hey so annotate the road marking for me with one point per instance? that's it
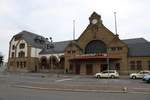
(61, 80)
(141, 88)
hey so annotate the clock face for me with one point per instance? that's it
(94, 21)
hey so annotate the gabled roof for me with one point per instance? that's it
(33, 39)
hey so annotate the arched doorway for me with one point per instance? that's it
(95, 46)
(53, 62)
(44, 63)
(62, 62)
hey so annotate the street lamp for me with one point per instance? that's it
(51, 47)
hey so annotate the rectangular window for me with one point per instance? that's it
(139, 65)
(132, 65)
(113, 48)
(20, 64)
(73, 51)
(13, 47)
(148, 65)
(69, 51)
(117, 66)
(12, 55)
(119, 48)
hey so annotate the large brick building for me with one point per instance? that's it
(97, 49)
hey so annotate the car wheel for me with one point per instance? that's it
(133, 77)
(112, 76)
(98, 76)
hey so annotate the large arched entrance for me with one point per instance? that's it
(95, 46)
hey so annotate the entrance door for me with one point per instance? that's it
(77, 69)
(103, 67)
(89, 69)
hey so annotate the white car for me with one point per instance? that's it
(107, 73)
(140, 74)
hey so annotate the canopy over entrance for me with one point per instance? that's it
(95, 57)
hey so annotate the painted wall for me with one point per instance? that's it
(35, 52)
(24, 49)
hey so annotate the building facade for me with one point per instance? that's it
(97, 49)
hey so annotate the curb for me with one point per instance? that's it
(76, 90)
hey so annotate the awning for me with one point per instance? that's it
(95, 57)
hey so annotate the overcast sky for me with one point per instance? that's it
(54, 18)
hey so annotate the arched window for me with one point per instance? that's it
(21, 54)
(22, 46)
(95, 46)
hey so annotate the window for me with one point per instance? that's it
(132, 65)
(13, 47)
(21, 54)
(20, 64)
(12, 54)
(113, 48)
(73, 51)
(69, 51)
(95, 46)
(22, 46)
(119, 48)
(148, 65)
(116, 48)
(117, 66)
(136, 65)
(139, 65)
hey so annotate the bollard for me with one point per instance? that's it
(124, 89)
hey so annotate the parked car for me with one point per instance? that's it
(140, 74)
(147, 78)
(107, 73)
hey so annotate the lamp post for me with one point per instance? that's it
(51, 47)
(108, 67)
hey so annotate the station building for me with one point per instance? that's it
(97, 49)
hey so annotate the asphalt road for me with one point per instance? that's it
(9, 92)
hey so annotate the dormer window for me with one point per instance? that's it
(22, 46)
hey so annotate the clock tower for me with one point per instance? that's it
(95, 19)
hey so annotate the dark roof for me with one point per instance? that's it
(135, 40)
(33, 39)
(136, 47)
(59, 47)
(139, 49)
